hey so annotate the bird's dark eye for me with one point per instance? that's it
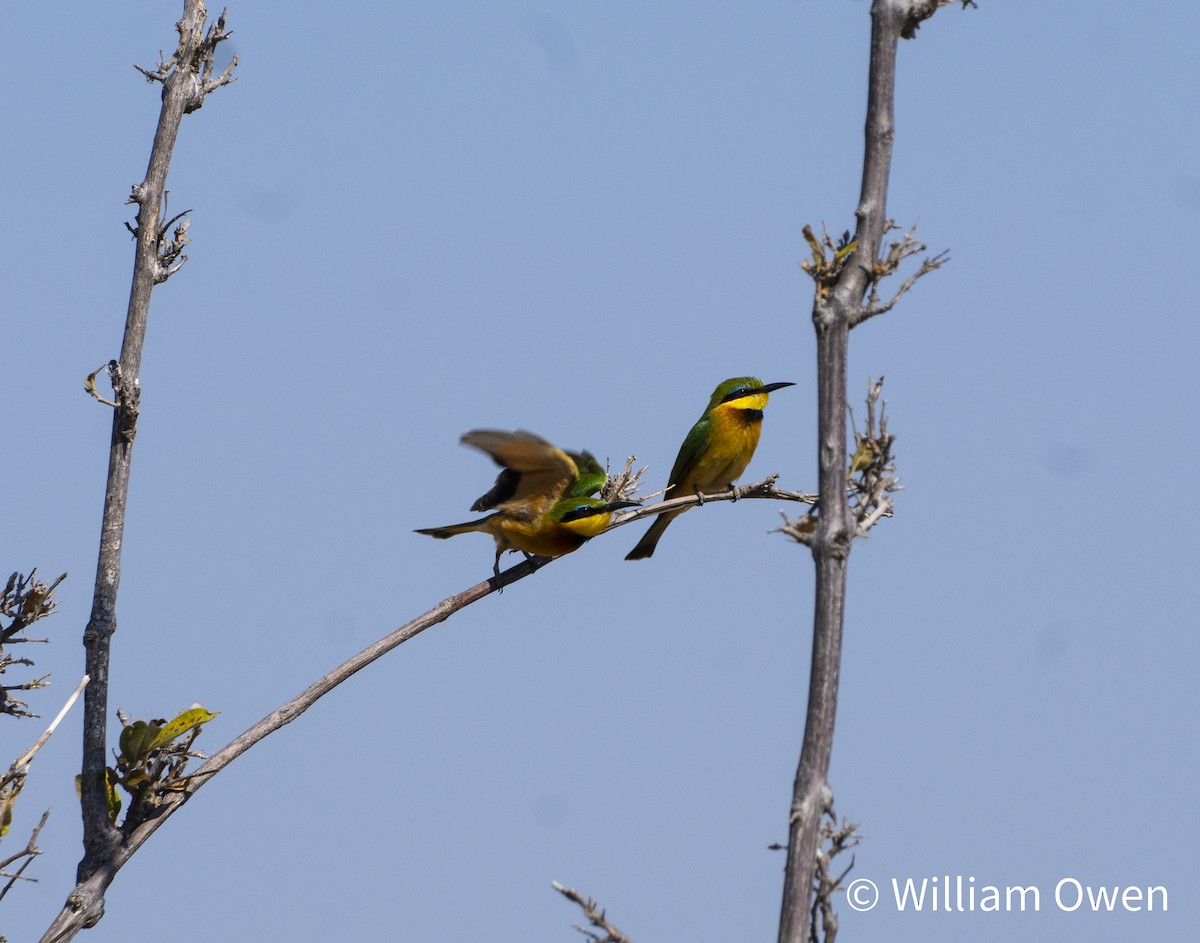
(580, 510)
(741, 389)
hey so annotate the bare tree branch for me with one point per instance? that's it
(21, 764)
(186, 80)
(872, 474)
(91, 890)
(823, 925)
(759, 489)
(11, 784)
(843, 281)
(907, 246)
(23, 601)
(25, 856)
(595, 915)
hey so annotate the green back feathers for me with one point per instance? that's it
(590, 475)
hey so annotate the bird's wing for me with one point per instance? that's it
(504, 488)
(543, 473)
(689, 453)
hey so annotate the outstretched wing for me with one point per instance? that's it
(536, 474)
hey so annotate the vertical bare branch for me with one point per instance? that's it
(842, 286)
(185, 79)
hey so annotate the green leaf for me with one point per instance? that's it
(114, 799)
(6, 804)
(110, 788)
(138, 739)
(192, 717)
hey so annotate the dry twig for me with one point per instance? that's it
(872, 474)
(596, 917)
(24, 600)
(835, 840)
(25, 856)
(13, 781)
(908, 245)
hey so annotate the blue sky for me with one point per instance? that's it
(413, 220)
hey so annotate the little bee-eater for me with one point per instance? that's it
(541, 498)
(716, 451)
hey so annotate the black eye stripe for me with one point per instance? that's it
(580, 510)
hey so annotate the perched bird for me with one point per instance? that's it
(541, 497)
(716, 451)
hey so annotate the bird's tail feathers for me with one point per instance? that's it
(453, 530)
(645, 546)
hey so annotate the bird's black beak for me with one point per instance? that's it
(772, 387)
(617, 505)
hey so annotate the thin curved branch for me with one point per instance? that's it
(91, 890)
(26, 856)
(289, 711)
(20, 765)
(908, 245)
(759, 489)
